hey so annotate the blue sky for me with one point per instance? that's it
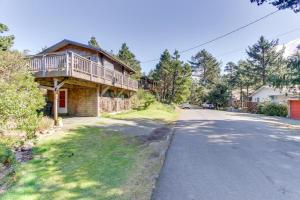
(148, 27)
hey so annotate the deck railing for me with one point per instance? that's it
(71, 63)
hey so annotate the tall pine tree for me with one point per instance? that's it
(173, 78)
(263, 56)
(207, 67)
(128, 57)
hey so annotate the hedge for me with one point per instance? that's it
(273, 109)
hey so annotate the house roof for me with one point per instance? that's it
(258, 90)
(66, 42)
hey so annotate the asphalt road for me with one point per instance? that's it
(218, 155)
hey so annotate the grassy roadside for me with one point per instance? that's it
(87, 163)
(90, 162)
(156, 111)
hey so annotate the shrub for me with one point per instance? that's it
(272, 109)
(20, 97)
(260, 109)
(142, 100)
(45, 123)
(7, 156)
(10, 141)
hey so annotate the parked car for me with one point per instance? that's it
(208, 106)
(186, 106)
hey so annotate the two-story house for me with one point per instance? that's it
(82, 80)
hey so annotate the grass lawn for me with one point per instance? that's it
(84, 163)
(156, 111)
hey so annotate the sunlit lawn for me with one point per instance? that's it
(156, 111)
(84, 164)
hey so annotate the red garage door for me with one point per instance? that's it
(295, 109)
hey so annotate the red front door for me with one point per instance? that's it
(295, 109)
(62, 101)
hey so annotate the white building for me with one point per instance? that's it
(269, 94)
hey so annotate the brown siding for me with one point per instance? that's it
(108, 104)
(82, 102)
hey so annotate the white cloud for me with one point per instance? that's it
(290, 47)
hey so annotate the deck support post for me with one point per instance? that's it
(98, 100)
(55, 102)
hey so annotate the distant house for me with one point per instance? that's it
(82, 80)
(269, 94)
(146, 83)
(288, 96)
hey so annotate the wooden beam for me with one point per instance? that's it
(104, 90)
(61, 84)
(46, 87)
(119, 94)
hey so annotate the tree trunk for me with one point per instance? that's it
(241, 96)
(173, 86)
(263, 67)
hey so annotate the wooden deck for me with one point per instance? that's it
(70, 64)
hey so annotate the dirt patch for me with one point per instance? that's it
(24, 154)
(156, 135)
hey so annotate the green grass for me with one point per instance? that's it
(156, 111)
(84, 163)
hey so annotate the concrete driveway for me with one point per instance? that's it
(219, 155)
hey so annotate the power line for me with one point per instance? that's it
(274, 37)
(221, 36)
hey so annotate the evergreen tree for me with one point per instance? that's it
(219, 95)
(129, 58)
(293, 70)
(198, 93)
(173, 78)
(6, 42)
(281, 4)
(230, 74)
(93, 42)
(263, 56)
(245, 75)
(207, 66)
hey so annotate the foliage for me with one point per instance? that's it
(7, 157)
(64, 168)
(219, 95)
(293, 69)
(142, 100)
(173, 78)
(263, 56)
(93, 42)
(10, 141)
(281, 4)
(273, 109)
(156, 111)
(6, 41)
(206, 67)
(128, 58)
(20, 97)
(198, 94)
(288, 74)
